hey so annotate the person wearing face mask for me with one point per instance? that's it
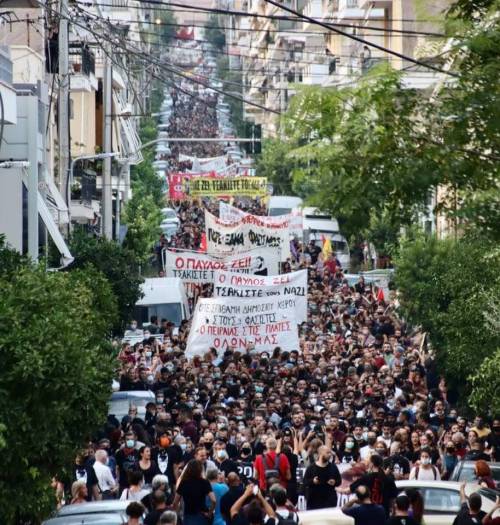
(320, 480)
(244, 463)
(127, 459)
(425, 470)
(167, 457)
(133, 330)
(369, 449)
(348, 451)
(221, 458)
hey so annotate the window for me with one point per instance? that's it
(441, 501)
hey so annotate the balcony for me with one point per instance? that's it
(357, 9)
(7, 91)
(313, 9)
(82, 65)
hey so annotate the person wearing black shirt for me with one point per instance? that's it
(159, 502)
(231, 497)
(193, 488)
(126, 459)
(397, 464)
(244, 463)
(470, 513)
(320, 480)
(166, 456)
(402, 504)
(382, 487)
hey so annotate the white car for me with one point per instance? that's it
(169, 215)
(441, 503)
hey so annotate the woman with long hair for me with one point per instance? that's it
(416, 505)
(147, 466)
(348, 451)
(193, 488)
(483, 474)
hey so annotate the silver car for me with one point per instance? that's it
(110, 512)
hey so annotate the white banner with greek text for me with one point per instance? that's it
(198, 268)
(249, 233)
(239, 324)
(288, 285)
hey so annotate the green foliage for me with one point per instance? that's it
(118, 264)
(357, 146)
(372, 154)
(55, 380)
(485, 384)
(142, 215)
(274, 165)
(213, 33)
(446, 287)
(167, 28)
(10, 260)
(142, 212)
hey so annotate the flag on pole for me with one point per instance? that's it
(203, 243)
(327, 248)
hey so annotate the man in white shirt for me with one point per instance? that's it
(105, 481)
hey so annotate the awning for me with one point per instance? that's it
(56, 203)
(50, 224)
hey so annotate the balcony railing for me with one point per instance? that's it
(5, 65)
(82, 59)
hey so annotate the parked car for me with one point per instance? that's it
(120, 402)
(441, 503)
(110, 512)
(169, 215)
(464, 471)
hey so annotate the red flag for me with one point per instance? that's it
(380, 296)
(203, 243)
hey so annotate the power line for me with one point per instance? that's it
(272, 17)
(361, 40)
(168, 67)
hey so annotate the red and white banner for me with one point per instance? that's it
(199, 268)
(230, 213)
(178, 183)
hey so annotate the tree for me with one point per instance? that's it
(213, 32)
(55, 380)
(446, 287)
(118, 264)
(142, 215)
(359, 157)
(273, 164)
(168, 27)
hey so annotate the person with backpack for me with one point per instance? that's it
(425, 470)
(271, 467)
(285, 513)
(320, 480)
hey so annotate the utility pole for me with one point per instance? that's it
(63, 114)
(107, 190)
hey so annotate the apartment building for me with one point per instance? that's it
(278, 55)
(39, 205)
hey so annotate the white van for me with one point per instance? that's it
(164, 297)
(319, 226)
(283, 204)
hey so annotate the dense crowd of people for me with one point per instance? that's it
(245, 436)
(248, 437)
